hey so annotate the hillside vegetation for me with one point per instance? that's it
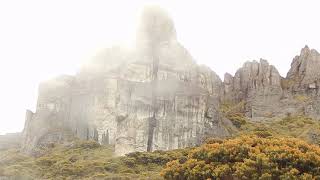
(284, 148)
(245, 157)
(249, 157)
(298, 126)
(86, 160)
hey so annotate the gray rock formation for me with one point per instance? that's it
(155, 97)
(303, 82)
(113, 96)
(266, 94)
(304, 74)
(256, 83)
(54, 120)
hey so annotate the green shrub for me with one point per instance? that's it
(156, 157)
(87, 144)
(112, 167)
(213, 141)
(237, 119)
(287, 83)
(301, 98)
(234, 112)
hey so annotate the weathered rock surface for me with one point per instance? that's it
(256, 83)
(303, 81)
(122, 96)
(267, 95)
(110, 99)
(54, 120)
(304, 74)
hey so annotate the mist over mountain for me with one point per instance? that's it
(156, 98)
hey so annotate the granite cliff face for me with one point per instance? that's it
(256, 83)
(303, 81)
(112, 98)
(266, 94)
(155, 96)
(304, 73)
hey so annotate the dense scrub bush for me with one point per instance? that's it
(249, 157)
(287, 83)
(87, 160)
(156, 157)
(234, 112)
(301, 98)
(237, 119)
(86, 144)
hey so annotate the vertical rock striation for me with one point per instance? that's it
(256, 83)
(304, 74)
(155, 97)
(113, 96)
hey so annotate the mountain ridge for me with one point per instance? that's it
(156, 97)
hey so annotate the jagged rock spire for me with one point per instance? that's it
(304, 71)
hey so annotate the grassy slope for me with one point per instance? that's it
(86, 160)
(89, 160)
(297, 126)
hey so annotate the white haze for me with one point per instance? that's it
(41, 39)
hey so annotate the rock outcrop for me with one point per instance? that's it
(113, 96)
(155, 97)
(55, 119)
(303, 82)
(304, 74)
(266, 94)
(256, 83)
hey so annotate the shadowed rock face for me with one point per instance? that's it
(110, 99)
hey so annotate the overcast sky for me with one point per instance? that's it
(42, 39)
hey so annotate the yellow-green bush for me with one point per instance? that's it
(287, 83)
(156, 157)
(249, 157)
(301, 98)
(85, 160)
(237, 119)
(234, 112)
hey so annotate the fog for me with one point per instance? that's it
(42, 39)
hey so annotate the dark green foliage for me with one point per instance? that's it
(156, 157)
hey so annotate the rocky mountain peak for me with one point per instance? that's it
(228, 78)
(304, 72)
(117, 94)
(255, 83)
(252, 75)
